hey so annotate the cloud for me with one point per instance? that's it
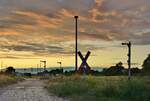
(9, 32)
(142, 39)
(33, 47)
(45, 27)
(41, 20)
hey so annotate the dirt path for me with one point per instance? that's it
(29, 90)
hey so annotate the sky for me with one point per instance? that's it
(34, 30)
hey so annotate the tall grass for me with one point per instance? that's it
(90, 88)
(6, 80)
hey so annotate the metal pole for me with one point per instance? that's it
(129, 58)
(37, 68)
(40, 66)
(60, 64)
(76, 43)
(129, 61)
(44, 65)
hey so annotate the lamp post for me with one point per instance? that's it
(44, 65)
(40, 67)
(129, 58)
(37, 68)
(60, 65)
(76, 43)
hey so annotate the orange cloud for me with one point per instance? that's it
(66, 13)
(58, 38)
(6, 32)
(41, 20)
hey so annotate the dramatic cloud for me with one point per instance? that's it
(46, 27)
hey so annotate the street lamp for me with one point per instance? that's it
(60, 65)
(129, 58)
(37, 68)
(44, 64)
(76, 42)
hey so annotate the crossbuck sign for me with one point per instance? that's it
(84, 67)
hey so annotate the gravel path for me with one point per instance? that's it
(29, 90)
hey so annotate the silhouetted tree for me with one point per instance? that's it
(120, 64)
(10, 70)
(56, 71)
(135, 71)
(27, 74)
(115, 70)
(146, 65)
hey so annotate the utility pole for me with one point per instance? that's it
(129, 58)
(76, 43)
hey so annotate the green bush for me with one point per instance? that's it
(100, 88)
(6, 80)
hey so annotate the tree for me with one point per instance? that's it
(146, 65)
(10, 70)
(120, 64)
(115, 70)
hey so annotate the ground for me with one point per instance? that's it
(28, 90)
(100, 88)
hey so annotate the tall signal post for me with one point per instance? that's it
(60, 63)
(76, 43)
(129, 58)
(37, 68)
(44, 65)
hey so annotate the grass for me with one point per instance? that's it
(90, 88)
(6, 80)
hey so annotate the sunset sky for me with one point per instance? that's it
(34, 30)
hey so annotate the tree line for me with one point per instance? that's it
(118, 69)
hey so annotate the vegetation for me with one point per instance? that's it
(10, 70)
(6, 80)
(146, 65)
(115, 70)
(102, 88)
